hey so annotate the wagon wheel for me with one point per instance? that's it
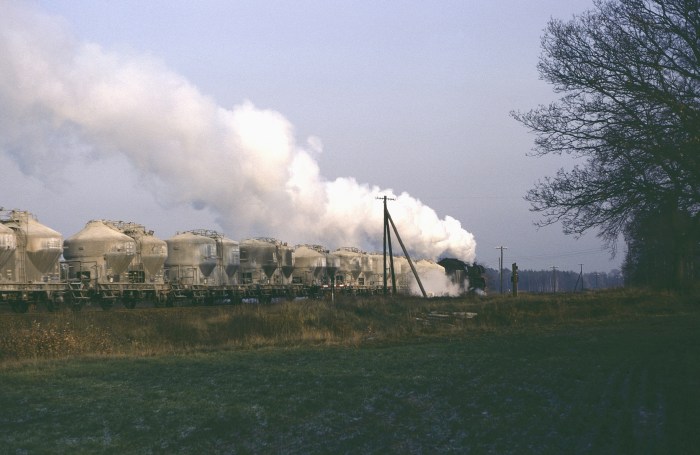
(73, 301)
(159, 300)
(54, 303)
(170, 300)
(20, 306)
(77, 306)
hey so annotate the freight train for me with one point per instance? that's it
(114, 262)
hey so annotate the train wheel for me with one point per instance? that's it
(106, 304)
(20, 306)
(77, 306)
(56, 303)
(130, 304)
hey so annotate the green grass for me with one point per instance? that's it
(610, 373)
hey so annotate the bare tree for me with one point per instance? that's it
(629, 75)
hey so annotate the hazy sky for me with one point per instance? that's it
(228, 114)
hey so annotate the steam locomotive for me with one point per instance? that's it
(115, 262)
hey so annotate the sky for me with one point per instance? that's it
(286, 119)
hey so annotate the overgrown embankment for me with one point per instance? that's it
(344, 322)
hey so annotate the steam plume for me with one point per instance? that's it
(65, 99)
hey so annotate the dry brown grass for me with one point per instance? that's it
(598, 373)
(344, 322)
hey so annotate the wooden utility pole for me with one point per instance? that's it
(500, 265)
(580, 278)
(387, 242)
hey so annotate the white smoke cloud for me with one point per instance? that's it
(64, 99)
(434, 281)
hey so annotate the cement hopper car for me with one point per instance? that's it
(315, 269)
(151, 253)
(376, 265)
(402, 273)
(310, 265)
(230, 253)
(29, 261)
(350, 265)
(99, 253)
(286, 254)
(37, 250)
(266, 261)
(355, 268)
(8, 245)
(332, 266)
(228, 257)
(191, 259)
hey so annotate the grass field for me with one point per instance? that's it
(599, 373)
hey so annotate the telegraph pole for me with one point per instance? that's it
(500, 265)
(389, 224)
(387, 236)
(408, 258)
(580, 278)
(554, 278)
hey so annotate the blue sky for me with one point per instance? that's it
(402, 95)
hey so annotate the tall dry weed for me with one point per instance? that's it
(349, 321)
(53, 340)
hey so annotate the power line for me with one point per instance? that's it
(565, 254)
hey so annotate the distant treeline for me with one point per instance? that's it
(551, 281)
